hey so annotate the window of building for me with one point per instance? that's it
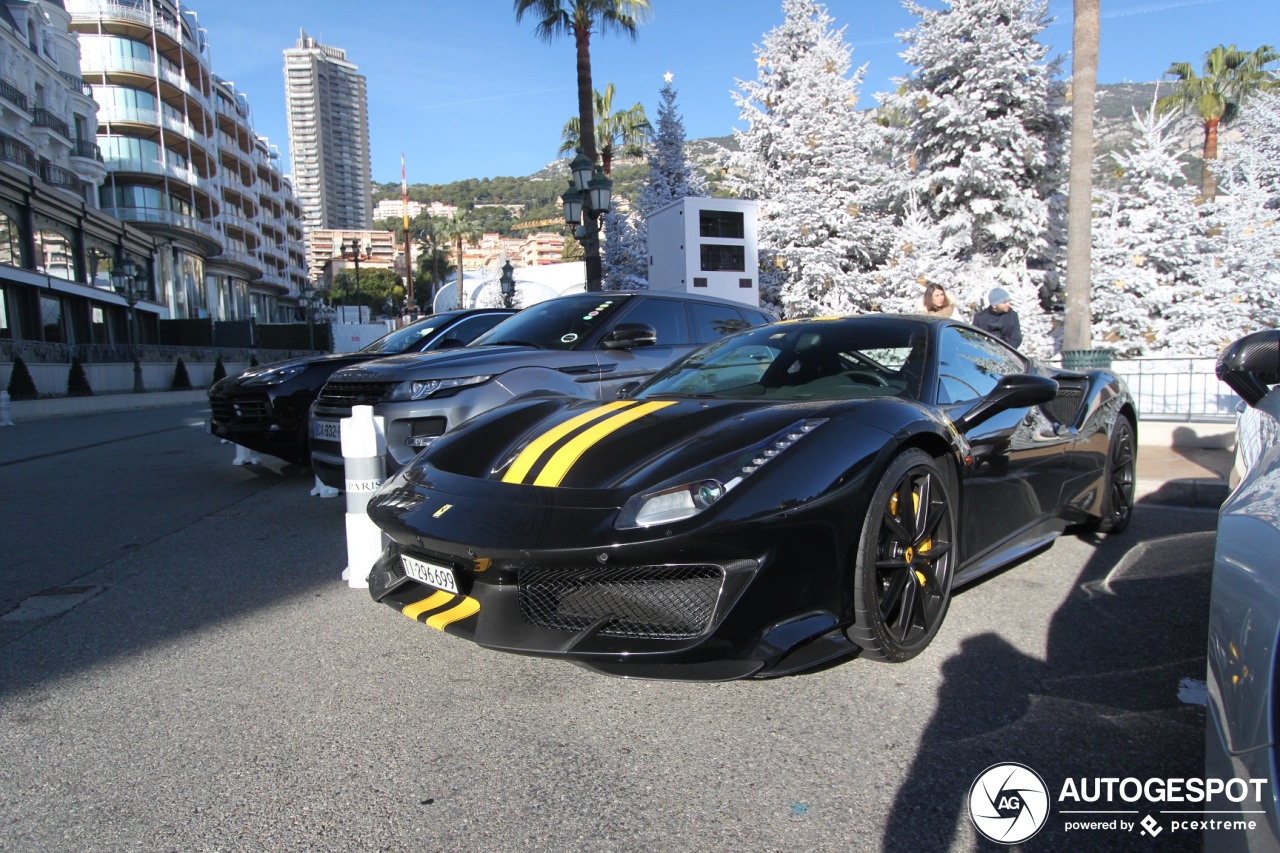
(717, 257)
(721, 223)
(54, 254)
(52, 320)
(10, 241)
(6, 329)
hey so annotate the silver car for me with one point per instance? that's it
(587, 345)
(1244, 609)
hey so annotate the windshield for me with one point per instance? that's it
(822, 360)
(562, 323)
(402, 340)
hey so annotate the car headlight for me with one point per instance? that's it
(420, 389)
(271, 375)
(703, 487)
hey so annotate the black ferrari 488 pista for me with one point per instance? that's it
(778, 498)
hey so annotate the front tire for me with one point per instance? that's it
(904, 560)
(1118, 479)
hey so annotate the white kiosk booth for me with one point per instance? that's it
(706, 245)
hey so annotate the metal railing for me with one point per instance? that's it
(43, 118)
(86, 149)
(56, 176)
(13, 95)
(13, 151)
(1185, 389)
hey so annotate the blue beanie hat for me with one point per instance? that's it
(998, 295)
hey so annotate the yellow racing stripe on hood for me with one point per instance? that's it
(529, 456)
(559, 464)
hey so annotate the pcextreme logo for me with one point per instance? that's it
(1008, 803)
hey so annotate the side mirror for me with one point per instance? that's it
(1015, 391)
(626, 389)
(451, 343)
(1251, 364)
(630, 336)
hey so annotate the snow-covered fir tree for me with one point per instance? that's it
(625, 252)
(1242, 282)
(807, 155)
(1148, 239)
(981, 121)
(916, 260)
(671, 177)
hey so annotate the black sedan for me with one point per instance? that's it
(781, 497)
(265, 408)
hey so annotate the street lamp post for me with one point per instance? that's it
(356, 249)
(306, 293)
(124, 278)
(508, 284)
(588, 198)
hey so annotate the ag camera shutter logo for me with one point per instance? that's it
(1008, 803)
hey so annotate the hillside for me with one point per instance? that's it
(540, 192)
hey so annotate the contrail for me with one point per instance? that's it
(1163, 7)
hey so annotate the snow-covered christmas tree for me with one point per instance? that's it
(672, 176)
(807, 155)
(1244, 276)
(1148, 236)
(982, 124)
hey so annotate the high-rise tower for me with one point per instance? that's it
(328, 136)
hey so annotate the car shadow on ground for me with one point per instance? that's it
(1103, 703)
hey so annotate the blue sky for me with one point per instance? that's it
(466, 92)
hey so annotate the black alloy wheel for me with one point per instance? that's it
(904, 560)
(1118, 478)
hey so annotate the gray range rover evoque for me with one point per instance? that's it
(587, 345)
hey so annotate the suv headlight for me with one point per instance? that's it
(420, 389)
(703, 487)
(271, 375)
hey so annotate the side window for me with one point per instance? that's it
(665, 315)
(711, 321)
(756, 318)
(971, 364)
(472, 327)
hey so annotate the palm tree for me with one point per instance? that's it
(1077, 333)
(621, 133)
(578, 18)
(1228, 78)
(458, 229)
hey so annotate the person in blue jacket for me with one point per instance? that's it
(999, 318)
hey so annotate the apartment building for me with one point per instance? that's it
(184, 165)
(328, 136)
(394, 208)
(332, 250)
(56, 247)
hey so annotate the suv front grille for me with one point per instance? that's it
(243, 410)
(650, 602)
(344, 395)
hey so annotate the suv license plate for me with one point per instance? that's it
(441, 577)
(331, 430)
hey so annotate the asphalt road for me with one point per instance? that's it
(183, 670)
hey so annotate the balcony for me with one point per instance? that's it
(169, 219)
(56, 176)
(87, 150)
(13, 95)
(77, 84)
(13, 151)
(42, 118)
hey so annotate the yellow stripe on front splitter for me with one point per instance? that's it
(559, 464)
(431, 602)
(529, 456)
(464, 608)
